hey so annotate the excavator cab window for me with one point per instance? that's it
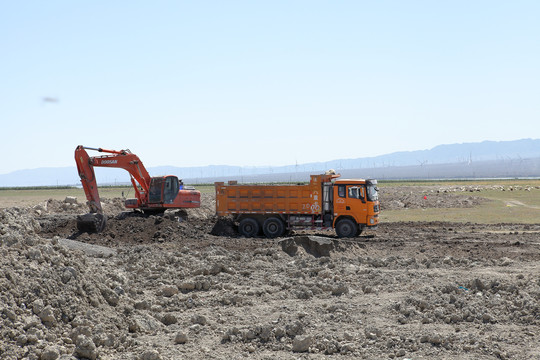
(170, 189)
(156, 185)
(163, 190)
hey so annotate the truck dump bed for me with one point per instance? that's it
(264, 199)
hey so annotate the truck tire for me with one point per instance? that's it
(248, 227)
(273, 227)
(346, 228)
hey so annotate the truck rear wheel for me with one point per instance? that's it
(248, 227)
(273, 227)
(346, 228)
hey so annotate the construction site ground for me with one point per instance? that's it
(185, 286)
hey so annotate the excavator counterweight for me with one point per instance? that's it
(152, 194)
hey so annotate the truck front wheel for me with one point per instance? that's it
(346, 228)
(273, 227)
(248, 227)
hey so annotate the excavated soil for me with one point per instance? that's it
(185, 286)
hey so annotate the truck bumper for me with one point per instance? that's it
(372, 220)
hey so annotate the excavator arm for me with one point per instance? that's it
(95, 220)
(88, 180)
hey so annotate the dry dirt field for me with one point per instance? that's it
(184, 286)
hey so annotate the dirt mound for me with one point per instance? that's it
(319, 246)
(72, 205)
(224, 227)
(314, 245)
(130, 227)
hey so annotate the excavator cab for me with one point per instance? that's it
(163, 189)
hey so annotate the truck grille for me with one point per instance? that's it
(376, 208)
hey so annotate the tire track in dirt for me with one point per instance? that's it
(513, 202)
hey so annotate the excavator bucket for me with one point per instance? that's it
(91, 222)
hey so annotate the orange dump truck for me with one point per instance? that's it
(347, 205)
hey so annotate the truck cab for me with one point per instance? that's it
(356, 200)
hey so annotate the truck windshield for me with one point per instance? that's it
(372, 192)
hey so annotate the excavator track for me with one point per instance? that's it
(91, 222)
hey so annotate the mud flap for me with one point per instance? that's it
(91, 222)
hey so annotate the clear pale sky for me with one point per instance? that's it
(194, 83)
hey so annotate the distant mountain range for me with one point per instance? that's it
(519, 158)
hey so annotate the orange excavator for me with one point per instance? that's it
(153, 195)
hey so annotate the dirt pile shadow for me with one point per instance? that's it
(316, 246)
(224, 227)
